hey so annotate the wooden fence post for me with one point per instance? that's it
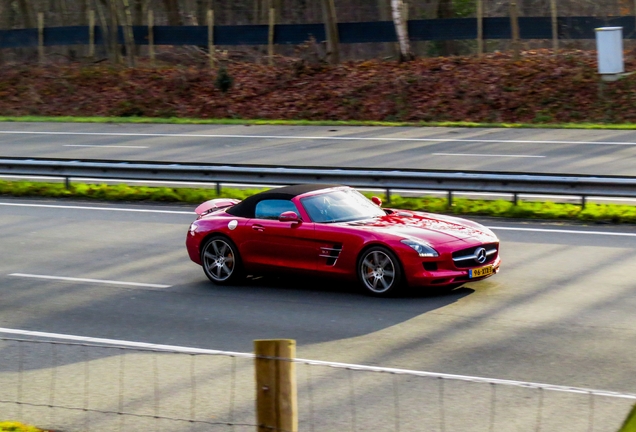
(514, 26)
(91, 34)
(41, 38)
(151, 36)
(480, 28)
(210, 19)
(276, 394)
(555, 26)
(270, 35)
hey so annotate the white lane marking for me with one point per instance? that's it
(97, 208)
(486, 155)
(105, 146)
(562, 231)
(336, 138)
(350, 366)
(191, 213)
(97, 281)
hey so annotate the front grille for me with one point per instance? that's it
(467, 258)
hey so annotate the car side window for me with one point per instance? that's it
(271, 209)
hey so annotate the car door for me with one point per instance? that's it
(273, 245)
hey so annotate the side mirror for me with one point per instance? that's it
(377, 201)
(288, 216)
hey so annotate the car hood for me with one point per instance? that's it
(437, 229)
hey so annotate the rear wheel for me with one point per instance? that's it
(221, 261)
(379, 272)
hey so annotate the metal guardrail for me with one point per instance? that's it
(387, 179)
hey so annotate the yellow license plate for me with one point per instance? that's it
(480, 272)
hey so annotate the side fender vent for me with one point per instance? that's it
(331, 253)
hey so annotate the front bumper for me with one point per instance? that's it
(417, 276)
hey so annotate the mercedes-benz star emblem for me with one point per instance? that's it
(480, 255)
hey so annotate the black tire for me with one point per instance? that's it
(380, 272)
(221, 261)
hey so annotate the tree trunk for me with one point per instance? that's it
(100, 8)
(172, 10)
(203, 6)
(114, 33)
(446, 10)
(331, 29)
(4, 23)
(397, 7)
(28, 13)
(129, 38)
(138, 11)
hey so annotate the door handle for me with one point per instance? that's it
(259, 228)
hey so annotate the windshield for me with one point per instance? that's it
(340, 206)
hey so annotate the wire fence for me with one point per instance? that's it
(366, 29)
(94, 384)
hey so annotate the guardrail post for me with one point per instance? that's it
(67, 183)
(515, 198)
(218, 188)
(276, 394)
(450, 198)
(583, 202)
(388, 195)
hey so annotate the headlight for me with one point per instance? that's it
(422, 249)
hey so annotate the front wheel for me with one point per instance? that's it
(221, 261)
(379, 272)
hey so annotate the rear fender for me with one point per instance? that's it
(214, 205)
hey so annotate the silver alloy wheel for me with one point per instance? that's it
(219, 259)
(378, 272)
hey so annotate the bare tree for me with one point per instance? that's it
(28, 13)
(331, 29)
(446, 10)
(397, 8)
(128, 33)
(172, 10)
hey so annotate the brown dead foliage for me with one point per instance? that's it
(538, 88)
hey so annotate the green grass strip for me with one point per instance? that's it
(609, 213)
(177, 120)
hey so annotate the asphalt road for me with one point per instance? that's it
(518, 150)
(560, 311)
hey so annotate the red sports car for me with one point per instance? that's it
(336, 231)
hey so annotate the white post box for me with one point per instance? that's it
(609, 45)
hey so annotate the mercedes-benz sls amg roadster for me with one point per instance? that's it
(335, 231)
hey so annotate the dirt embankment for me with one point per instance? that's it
(538, 88)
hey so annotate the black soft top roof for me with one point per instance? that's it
(247, 207)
